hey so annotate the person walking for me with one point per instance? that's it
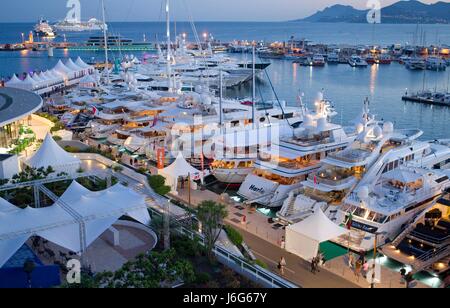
(282, 265)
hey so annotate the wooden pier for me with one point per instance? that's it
(424, 100)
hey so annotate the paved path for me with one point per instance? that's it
(297, 270)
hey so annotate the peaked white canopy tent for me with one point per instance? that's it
(67, 73)
(51, 154)
(303, 238)
(179, 168)
(74, 222)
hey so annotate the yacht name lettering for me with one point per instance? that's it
(256, 189)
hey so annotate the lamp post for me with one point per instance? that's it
(23, 37)
(167, 225)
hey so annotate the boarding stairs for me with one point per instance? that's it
(429, 258)
(411, 226)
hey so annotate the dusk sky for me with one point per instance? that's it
(150, 10)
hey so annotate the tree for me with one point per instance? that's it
(211, 216)
(154, 270)
(28, 268)
(157, 183)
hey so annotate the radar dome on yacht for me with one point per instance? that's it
(321, 124)
(319, 96)
(363, 193)
(308, 121)
(388, 127)
(206, 99)
(377, 131)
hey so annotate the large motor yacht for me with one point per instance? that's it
(376, 213)
(282, 167)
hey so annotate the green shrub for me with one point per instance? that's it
(261, 263)
(70, 149)
(57, 138)
(234, 236)
(202, 278)
(156, 181)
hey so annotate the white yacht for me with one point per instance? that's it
(357, 61)
(286, 163)
(377, 212)
(43, 29)
(80, 26)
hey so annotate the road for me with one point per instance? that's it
(297, 270)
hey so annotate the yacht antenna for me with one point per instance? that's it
(253, 85)
(105, 37)
(220, 100)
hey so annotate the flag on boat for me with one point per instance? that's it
(348, 224)
(94, 110)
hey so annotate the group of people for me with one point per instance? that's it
(316, 261)
(359, 265)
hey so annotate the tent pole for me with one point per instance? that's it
(189, 190)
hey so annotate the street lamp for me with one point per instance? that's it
(23, 37)
(205, 36)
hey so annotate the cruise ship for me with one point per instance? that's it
(79, 26)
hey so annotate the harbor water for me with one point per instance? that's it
(347, 87)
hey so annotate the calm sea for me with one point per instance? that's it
(347, 87)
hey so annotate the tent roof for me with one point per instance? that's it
(88, 79)
(29, 80)
(13, 80)
(71, 65)
(98, 211)
(402, 175)
(61, 68)
(318, 227)
(180, 167)
(81, 63)
(51, 154)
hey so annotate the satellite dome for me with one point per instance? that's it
(321, 124)
(319, 96)
(377, 131)
(206, 99)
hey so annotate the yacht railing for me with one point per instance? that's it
(330, 182)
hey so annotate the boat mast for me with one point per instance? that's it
(253, 85)
(169, 68)
(105, 37)
(220, 100)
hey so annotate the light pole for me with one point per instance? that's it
(23, 37)
(167, 225)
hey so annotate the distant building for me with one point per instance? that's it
(15, 107)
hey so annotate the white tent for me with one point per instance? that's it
(63, 70)
(77, 208)
(82, 64)
(303, 238)
(29, 83)
(14, 82)
(71, 65)
(88, 81)
(179, 168)
(51, 154)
